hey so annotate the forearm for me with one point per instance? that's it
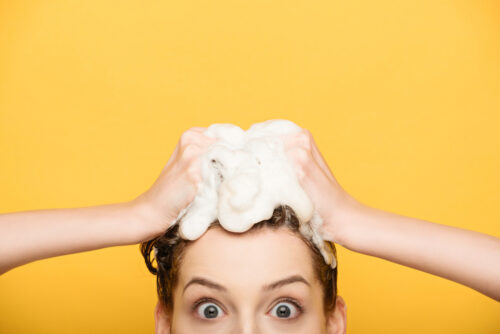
(467, 257)
(33, 235)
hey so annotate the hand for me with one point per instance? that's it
(177, 184)
(437, 249)
(330, 200)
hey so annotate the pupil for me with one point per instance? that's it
(211, 311)
(283, 311)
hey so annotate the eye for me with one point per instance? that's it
(286, 308)
(206, 309)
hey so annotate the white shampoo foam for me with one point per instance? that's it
(245, 176)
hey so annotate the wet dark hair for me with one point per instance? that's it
(171, 247)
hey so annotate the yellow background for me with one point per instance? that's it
(402, 97)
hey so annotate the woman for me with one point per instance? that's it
(437, 249)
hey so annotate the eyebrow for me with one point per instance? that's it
(268, 287)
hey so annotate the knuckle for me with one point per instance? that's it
(300, 174)
(187, 137)
(197, 129)
(299, 170)
(190, 151)
(193, 173)
(304, 139)
(196, 136)
(302, 155)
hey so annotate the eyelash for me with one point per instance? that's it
(299, 306)
(203, 300)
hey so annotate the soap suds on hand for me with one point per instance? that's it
(245, 176)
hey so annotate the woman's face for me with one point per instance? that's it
(258, 282)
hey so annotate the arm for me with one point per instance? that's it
(467, 257)
(34, 235)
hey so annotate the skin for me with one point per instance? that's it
(245, 307)
(431, 247)
(434, 248)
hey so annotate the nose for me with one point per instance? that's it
(247, 324)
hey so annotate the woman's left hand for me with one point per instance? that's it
(434, 248)
(329, 198)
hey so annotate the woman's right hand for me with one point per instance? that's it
(57, 232)
(177, 183)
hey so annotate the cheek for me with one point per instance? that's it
(185, 323)
(311, 323)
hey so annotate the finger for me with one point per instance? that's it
(172, 156)
(320, 159)
(199, 134)
(198, 128)
(198, 137)
(291, 139)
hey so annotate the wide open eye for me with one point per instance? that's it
(286, 310)
(208, 310)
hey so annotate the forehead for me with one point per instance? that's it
(259, 256)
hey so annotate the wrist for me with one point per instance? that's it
(343, 220)
(145, 219)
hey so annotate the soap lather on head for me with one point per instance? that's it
(245, 176)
